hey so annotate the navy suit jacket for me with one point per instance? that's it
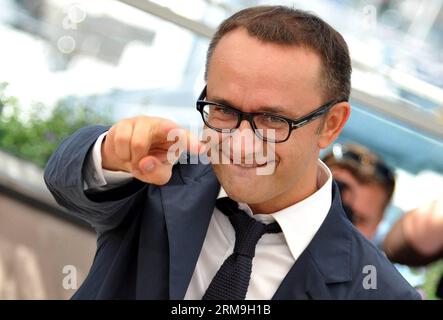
(150, 237)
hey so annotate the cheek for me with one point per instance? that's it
(285, 157)
(368, 204)
(298, 153)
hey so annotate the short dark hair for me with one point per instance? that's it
(288, 26)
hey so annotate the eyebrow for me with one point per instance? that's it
(269, 109)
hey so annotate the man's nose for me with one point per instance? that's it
(244, 139)
(245, 125)
(246, 134)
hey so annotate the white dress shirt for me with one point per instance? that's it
(275, 253)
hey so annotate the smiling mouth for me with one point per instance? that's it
(248, 166)
(242, 164)
(245, 163)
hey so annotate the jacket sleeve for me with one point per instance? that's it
(64, 177)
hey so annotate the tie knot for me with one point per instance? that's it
(247, 230)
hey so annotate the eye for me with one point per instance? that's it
(268, 121)
(225, 111)
(274, 119)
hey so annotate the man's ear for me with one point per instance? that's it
(333, 124)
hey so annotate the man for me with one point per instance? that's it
(366, 185)
(170, 231)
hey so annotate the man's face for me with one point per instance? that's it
(254, 76)
(367, 201)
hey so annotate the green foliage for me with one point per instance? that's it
(36, 135)
(433, 275)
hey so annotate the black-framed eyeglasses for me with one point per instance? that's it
(269, 127)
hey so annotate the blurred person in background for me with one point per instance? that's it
(366, 184)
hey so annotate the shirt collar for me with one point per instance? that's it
(301, 221)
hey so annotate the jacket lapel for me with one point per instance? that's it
(326, 260)
(188, 201)
(303, 282)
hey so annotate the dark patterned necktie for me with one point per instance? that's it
(231, 281)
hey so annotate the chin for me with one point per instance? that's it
(243, 196)
(242, 188)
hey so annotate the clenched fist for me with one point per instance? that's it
(140, 146)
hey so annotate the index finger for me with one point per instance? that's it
(189, 141)
(161, 129)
